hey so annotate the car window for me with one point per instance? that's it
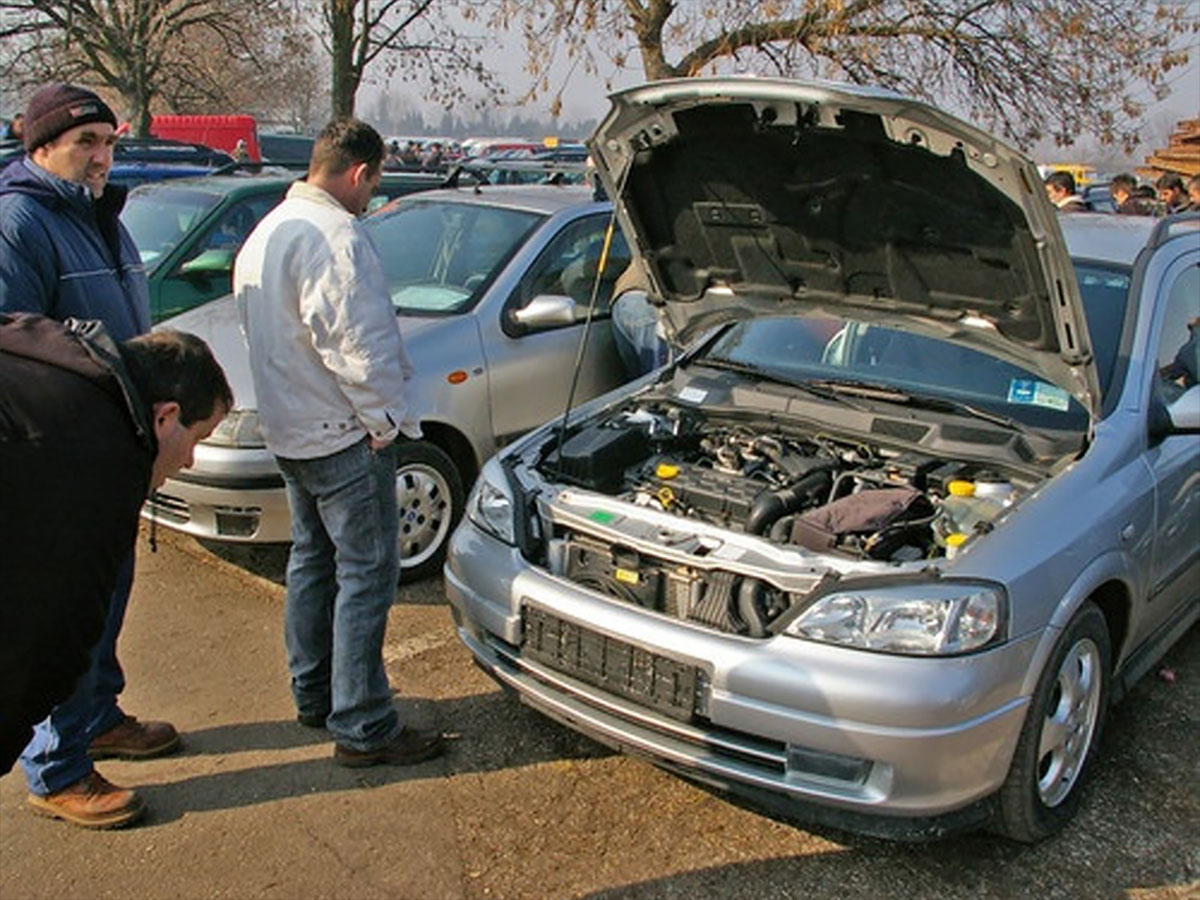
(234, 225)
(806, 348)
(1105, 292)
(439, 256)
(569, 264)
(159, 219)
(1178, 351)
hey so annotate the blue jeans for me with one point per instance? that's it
(341, 581)
(57, 756)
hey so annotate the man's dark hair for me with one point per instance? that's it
(344, 143)
(174, 365)
(1124, 180)
(1064, 181)
(1169, 181)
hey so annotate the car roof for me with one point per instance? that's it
(1106, 237)
(543, 198)
(223, 184)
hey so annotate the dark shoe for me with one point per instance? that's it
(131, 739)
(408, 747)
(92, 802)
(312, 720)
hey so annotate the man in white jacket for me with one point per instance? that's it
(329, 370)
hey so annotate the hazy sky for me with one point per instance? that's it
(585, 96)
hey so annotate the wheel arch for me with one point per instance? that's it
(1108, 581)
(454, 444)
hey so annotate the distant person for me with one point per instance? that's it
(1123, 188)
(392, 160)
(1171, 193)
(1193, 187)
(91, 427)
(432, 161)
(64, 253)
(15, 129)
(331, 377)
(240, 153)
(1060, 188)
(411, 154)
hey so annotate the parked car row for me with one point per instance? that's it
(188, 231)
(914, 502)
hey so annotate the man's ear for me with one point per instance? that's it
(166, 417)
(359, 173)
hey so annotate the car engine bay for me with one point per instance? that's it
(814, 497)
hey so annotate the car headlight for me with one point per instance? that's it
(490, 505)
(239, 428)
(930, 619)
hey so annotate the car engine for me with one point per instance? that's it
(801, 489)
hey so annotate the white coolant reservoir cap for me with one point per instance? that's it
(993, 487)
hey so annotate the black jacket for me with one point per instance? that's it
(76, 451)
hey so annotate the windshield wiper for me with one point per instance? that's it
(924, 401)
(815, 389)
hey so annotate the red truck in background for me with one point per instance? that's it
(218, 132)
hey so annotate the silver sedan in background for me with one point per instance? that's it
(492, 287)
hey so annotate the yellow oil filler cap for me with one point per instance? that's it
(954, 542)
(961, 488)
(666, 470)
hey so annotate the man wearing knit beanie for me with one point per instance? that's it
(65, 254)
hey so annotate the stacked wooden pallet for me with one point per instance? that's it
(1181, 155)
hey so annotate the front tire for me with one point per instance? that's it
(430, 501)
(1061, 731)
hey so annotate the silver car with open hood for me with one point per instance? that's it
(915, 504)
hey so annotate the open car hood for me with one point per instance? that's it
(755, 196)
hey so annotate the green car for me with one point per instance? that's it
(189, 230)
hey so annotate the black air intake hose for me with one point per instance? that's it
(770, 505)
(749, 608)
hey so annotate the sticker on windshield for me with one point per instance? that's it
(1037, 393)
(693, 394)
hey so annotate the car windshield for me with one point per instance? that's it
(158, 219)
(799, 349)
(438, 256)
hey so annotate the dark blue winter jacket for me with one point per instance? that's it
(64, 255)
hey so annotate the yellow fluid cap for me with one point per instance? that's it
(666, 470)
(961, 488)
(956, 539)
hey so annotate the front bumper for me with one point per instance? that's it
(229, 495)
(790, 722)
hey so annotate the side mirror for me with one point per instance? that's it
(546, 311)
(215, 261)
(1184, 413)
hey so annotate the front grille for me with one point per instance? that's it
(171, 509)
(648, 679)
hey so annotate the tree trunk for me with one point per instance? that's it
(345, 78)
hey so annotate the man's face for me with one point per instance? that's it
(1054, 192)
(1170, 196)
(176, 441)
(364, 184)
(83, 154)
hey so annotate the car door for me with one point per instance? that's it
(531, 369)
(1175, 459)
(205, 268)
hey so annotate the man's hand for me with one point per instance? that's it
(376, 444)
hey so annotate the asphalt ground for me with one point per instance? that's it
(520, 807)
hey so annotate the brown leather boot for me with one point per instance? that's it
(131, 739)
(91, 802)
